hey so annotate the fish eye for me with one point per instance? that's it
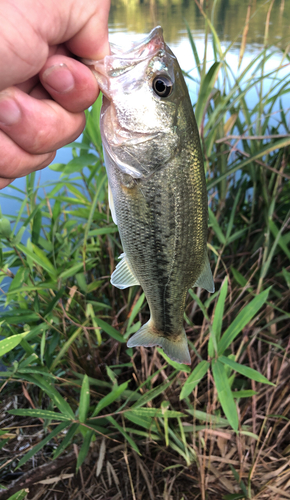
(162, 86)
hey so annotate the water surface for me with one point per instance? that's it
(131, 19)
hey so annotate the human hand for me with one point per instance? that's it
(43, 89)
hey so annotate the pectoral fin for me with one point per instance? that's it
(123, 276)
(205, 279)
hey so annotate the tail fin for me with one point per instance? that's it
(176, 349)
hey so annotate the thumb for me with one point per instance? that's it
(28, 28)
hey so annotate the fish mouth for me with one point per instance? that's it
(146, 47)
(106, 102)
(121, 60)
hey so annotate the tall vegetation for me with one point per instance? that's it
(64, 327)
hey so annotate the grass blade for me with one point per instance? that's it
(36, 413)
(84, 400)
(110, 330)
(243, 318)
(245, 370)
(40, 445)
(84, 449)
(58, 400)
(110, 398)
(66, 441)
(225, 394)
(8, 344)
(194, 378)
(218, 319)
(126, 436)
(19, 495)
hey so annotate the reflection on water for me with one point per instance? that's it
(131, 19)
(228, 17)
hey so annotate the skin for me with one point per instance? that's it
(44, 90)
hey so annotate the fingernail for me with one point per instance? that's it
(59, 78)
(9, 111)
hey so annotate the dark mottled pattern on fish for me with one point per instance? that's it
(155, 168)
(163, 227)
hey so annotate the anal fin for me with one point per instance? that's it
(123, 276)
(205, 279)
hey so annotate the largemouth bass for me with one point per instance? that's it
(157, 189)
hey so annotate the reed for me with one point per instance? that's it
(218, 429)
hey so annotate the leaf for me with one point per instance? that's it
(84, 400)
(286, 275)
(36, 413)
(272, 146)
(225, 394)
(71, 271)
(51, 391)
(8, 344)
(36, 226)
(240, 279)
(40, 445)
(245, 370)
(19, 278)
(194, 378)
(103, 230)
(5, 227)
(239, 481)
(20, 495)
(194, 49)
(206, 87)
(143, 421)
(214, 420)
(178, 366)
(38, 257)
(150, 395)
(197, 299)
(126, 436)
(275, 231)
(66, 441)
(136, 309)
(112, 332)
(3, 442)
(155, 412)
(244, 394)
(216, 227)
(110, 398)
(57, 167)
(84, 449)
(78, 163)
(218, 318)
(243, 318)
(19, 316)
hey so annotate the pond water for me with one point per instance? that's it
(131, 19)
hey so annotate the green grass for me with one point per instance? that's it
(65, 327)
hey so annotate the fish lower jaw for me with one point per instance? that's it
(176, 348)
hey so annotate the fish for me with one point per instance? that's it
(157, 187)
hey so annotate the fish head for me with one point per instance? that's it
(142, 88)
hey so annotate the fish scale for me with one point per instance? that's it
(158, 192)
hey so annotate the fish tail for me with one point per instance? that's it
(175, 348)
